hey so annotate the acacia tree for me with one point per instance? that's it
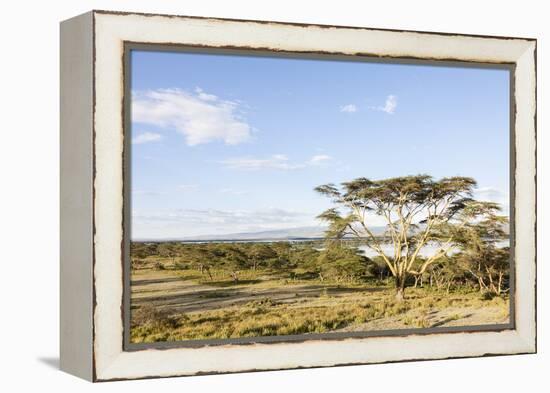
(418, 211)
(480, 255)
(259, 253)
(341, 263)
(234, 260)
(201, 257)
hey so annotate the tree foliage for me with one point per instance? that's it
(418, 212)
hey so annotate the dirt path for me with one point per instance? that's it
(164, 290)
(187, 294)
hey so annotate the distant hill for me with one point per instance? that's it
(302, 233)
(276, 234)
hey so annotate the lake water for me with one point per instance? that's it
(427, 251)
(387, 248)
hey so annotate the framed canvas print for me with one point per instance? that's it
(246, 195)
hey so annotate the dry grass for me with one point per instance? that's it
(325, 313)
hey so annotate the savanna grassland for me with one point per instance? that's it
(228, 290)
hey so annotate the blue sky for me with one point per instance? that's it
(227, 144)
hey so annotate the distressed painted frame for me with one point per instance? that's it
(92, 193)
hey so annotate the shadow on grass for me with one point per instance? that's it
(162, 280)
(215, 294)
(447, 320)
(185, 298)
(343, 289)
(230, 283)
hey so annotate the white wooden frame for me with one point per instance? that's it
(92, 194)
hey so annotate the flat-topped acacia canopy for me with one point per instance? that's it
(418, 210)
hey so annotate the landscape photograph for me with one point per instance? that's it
(290, 196)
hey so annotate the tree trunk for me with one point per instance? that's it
(400, 294)
(400, 288)
(481, 283)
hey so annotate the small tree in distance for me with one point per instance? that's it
(418, 212)
(260, 252)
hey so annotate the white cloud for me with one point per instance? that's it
(188, 187)
(178, 223)
(274, 162)
(277, 161)
(492, 195)
(190, 222)
(199, 116)
(146, 137)
(320, 159)
(350, 108)
(389, 106)
(204, 96)
(232, 191)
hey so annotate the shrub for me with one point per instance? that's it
(155, 318)
(487, 295)
(159, 266)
